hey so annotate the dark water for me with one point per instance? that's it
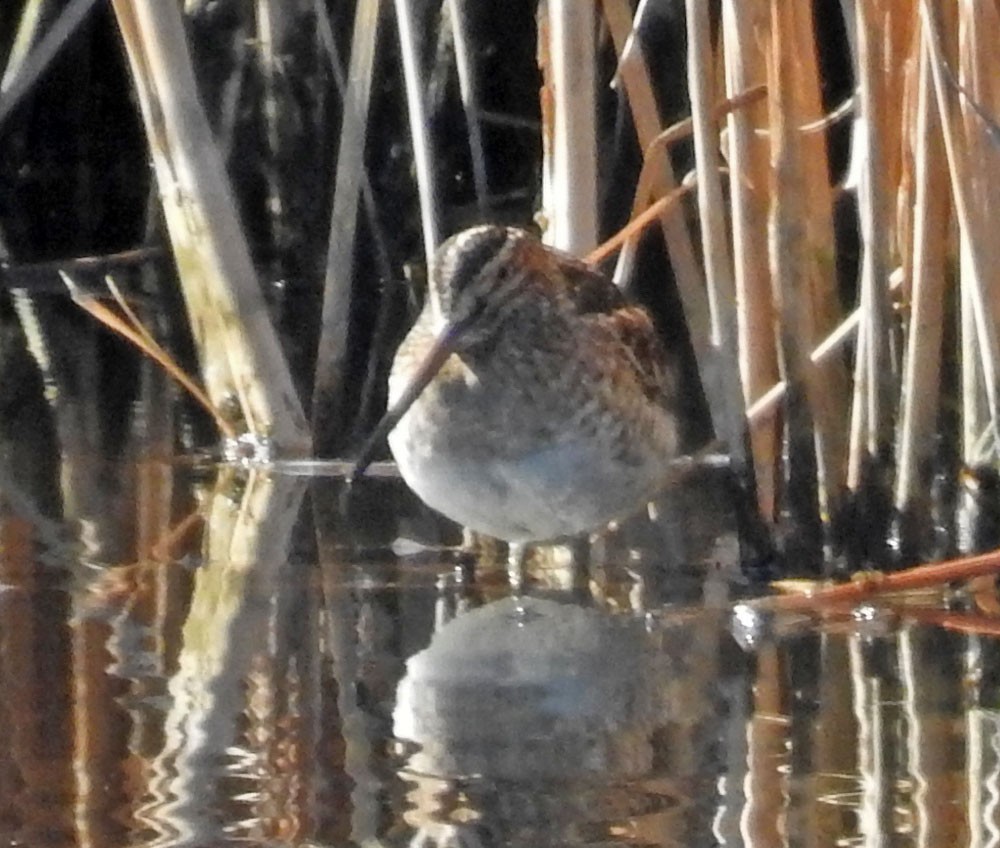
(309, 667)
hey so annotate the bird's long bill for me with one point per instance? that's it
(443, 347)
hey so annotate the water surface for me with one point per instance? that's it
(266, 658)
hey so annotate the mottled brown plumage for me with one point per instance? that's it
(531, 400)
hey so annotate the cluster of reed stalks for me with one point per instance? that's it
(839, 400)
(924, 158)
(830, 391)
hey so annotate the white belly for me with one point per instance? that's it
(562, 489)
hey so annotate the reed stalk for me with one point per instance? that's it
(380, 241)
(792, 259)
(17, 500)
(249, 529)
(829, 386)
(328, 41)
(722, 381)
(973, 401)
(657, 178)
(929, 742)
(470, 101)
(66, 357)
(977, 246)
(154, 438)
(349, 182)
(32, 54)
(153, 434)
(567, 56)
(767, 744)
(883, 38)
(872, 762)
(922, 359)
(277, 24)
(658, 182)
(873, 427)
(416, 107)
(242, 360)
(633, 82)
(743, 25)
(709, 313)
(979, 106)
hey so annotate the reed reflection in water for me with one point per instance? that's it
(315, 670)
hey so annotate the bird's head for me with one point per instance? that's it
(476, 278)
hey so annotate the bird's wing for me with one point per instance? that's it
(623, 324)
(589, 290)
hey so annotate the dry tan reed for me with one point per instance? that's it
(567, 56)
(747, 156)
(241, 358)
(925, 152)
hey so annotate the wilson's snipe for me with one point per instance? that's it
(531, 400)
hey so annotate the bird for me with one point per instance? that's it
(532, 400)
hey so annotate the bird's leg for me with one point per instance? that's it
(466, 567)
(580, 550)
(517, 553)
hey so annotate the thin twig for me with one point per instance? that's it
(20, 76)
(135, 332)
(871, 584)
(651, 157)
(767, 403)
(638, 224)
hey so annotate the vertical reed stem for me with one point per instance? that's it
(870, 132)
(348, 184)
(470, 102)
(743, 23)
(978, 247)
(791, 260)
(241, 357)
(722, 381)
(570, 189)
(922, 364)
(423, 154)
